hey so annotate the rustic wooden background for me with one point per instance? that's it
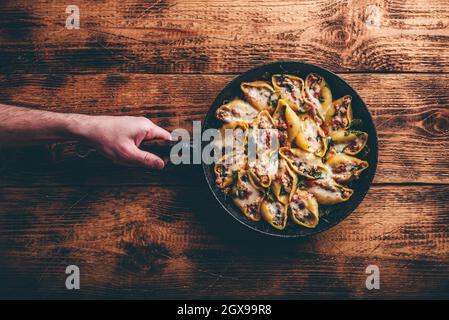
(136, 233)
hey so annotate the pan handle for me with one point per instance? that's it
(158, 147)
(163, 147)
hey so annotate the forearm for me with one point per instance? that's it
(23, 126)
(116, 137)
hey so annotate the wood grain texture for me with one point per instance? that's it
(169, 36)
(161, 242)
(141, 234)
(411, 113)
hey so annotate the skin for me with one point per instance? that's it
(116, 137)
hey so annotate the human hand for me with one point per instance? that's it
(119, 138)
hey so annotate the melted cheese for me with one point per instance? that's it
(309, 130)
(235, 111)
(327, 192)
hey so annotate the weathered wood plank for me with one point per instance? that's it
(168, 36)
(411, 113)
(165, 242)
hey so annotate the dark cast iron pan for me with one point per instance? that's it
(330, 215)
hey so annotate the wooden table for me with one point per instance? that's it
(135, 233)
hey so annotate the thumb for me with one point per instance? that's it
(146, 159)
(155, 132)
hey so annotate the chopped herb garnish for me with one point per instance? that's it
(273, 101)
(329, 143)
(301, 184)
(356, 132)
(316, 174)
(356, 124)
(289, 87)
(269, 194)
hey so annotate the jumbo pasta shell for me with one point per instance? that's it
(226, 168)
(303, 209)
(286, 120)
(344, 167)
(284, 182)
(304, 163)
(339, 115)
(291, 89)
(318, 92)
(247, 196)
(310, 136)
(349, 142)
(328, 192)
(232, 137)
(260, 95)
(236, 111)
(275, 213)
(264, 168)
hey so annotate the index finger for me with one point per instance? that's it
(155, 132)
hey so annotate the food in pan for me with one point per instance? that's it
(319, 93)
(291, 150)
(260, 95)
(247, 195)
(339, 115)
(237, 110)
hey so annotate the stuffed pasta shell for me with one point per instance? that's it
(303, 209)
(328, 192)
(311, 137)
(247, 196)
(274, 212)
(291, 89)
(287, 122)
(260, 95)
(226, 168)
(319, 93)
(304, 163)
(237, 111)
(264, 168)
(284, 182)
(339, 115)
(232, 138)
(345, 168)
(349, 141)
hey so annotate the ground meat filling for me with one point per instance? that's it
(299, 209)
(282, 131)
(253, 209)
(261, 172)
(284, 178)
(348, 170)
(243, 191)
(309, 170)
(355, 145)
(340, 118)
(262, 96)
(278, 213)
(223, 114)
(315, 87)
(291, 89)
(264, 179)
(222, 171)
(265, 123)
(329, 185)
(341, 168)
